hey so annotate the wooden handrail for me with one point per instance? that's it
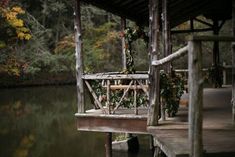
(171, 57)
(212, 38)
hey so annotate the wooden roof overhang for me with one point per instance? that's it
(179, 10)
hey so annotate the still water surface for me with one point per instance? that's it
(40, 122)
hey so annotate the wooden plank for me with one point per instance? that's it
(171, 57)
(154, 76)
(166, 32)
(195, 83)
(79, 57)
(104, 76)
(212, 38)
(112, 123)
(174, 143)
(117, 87)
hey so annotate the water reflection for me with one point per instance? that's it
(39, 122)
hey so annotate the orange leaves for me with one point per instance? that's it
(11, 17)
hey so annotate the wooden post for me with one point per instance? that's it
(123, 27)
(154, 95)
(224, 74)
(79, 57)
(233, 63)
(108, 145)
(135, 97)
(166, 33)
(108, 97)
(195, 98)
(216, 43)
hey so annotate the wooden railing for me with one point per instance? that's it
(107, 84)
(195, 82)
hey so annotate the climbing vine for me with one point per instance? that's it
(171, 89)
(130, 36)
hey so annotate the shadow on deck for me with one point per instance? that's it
(218, 130)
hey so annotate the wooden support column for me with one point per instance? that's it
(123, 27)
(108, 145)
(166, 33)
(79, 56)
(154, 34)
(195, 98)
(216, 58)
(233, 63)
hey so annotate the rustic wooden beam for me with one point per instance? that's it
(203, 22)
(135, 98)
(233, 63)
(216, 58)
(171, 57)
(101, 76)
(154, 76)
(108, 97)
(212, 38)
(166, 33)
(195, 98)
(79, 56)
(123, 27)
(117, 87)
(191, 30)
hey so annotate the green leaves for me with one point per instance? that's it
(171, 89)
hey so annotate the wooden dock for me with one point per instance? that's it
(218, 131)
(124, 120)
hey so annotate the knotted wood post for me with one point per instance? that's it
(123, 27)
(79, 56)
(154, 34)
(233, 63)
(195, 98)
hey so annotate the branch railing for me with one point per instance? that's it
(110, 91)
(195, 82)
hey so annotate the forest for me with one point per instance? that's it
(37, 42)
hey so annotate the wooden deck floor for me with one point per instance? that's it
(218, 132)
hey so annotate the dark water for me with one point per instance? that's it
(40, 122)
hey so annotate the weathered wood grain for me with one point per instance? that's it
(79, 56)
(195, 83)
(154, 77)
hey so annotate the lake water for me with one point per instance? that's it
(40, 122)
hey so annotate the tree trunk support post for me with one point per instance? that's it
(195, 98)
(79, 57)
(154, 34)
(233, 64)
(123, 27)
(216, 58)
(166, 33)
(224, 74)
(108, 145)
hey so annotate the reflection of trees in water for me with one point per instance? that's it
(40, 122)
(35, 119)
